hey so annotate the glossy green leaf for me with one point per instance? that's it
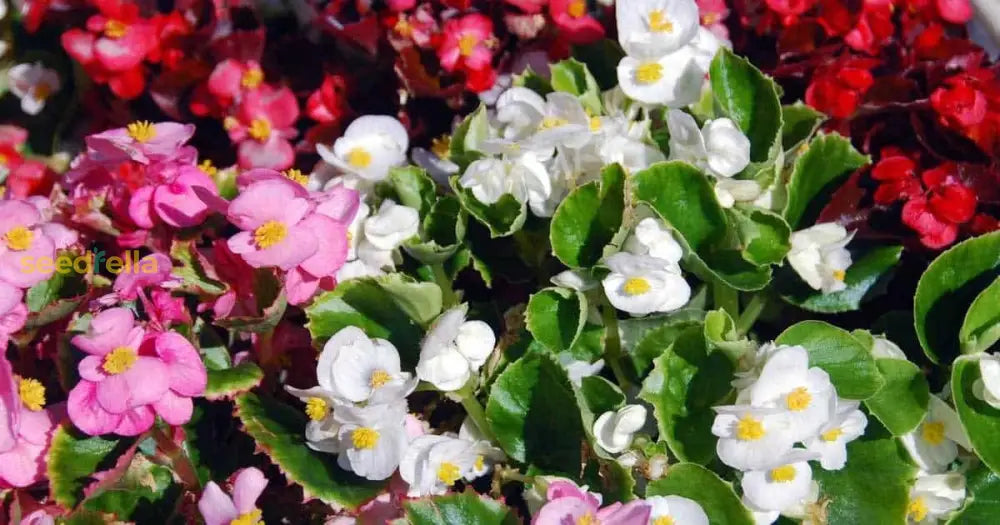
(74, 458)
(981, 327)
(763, 234)
(643, 340)
(829, 160)
(981, 421)
(503, 217)
(862, 279)
(227, 382)
(468, 137)
(902, 403)
(601, 395)
(421, 301)
(572, 76)
(279, 431)
(850, 365)
(800, 122)
(194, 271)
(750, 99)
(720, 333)
(467, 507)
(588, 219)
(146, 492)
(556, 316)
(983, 504)
(715, 496)
(413, 188)
(948, 288)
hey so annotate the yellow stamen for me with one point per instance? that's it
(663, 520)
(467, 44)
(577, 8)
(252, 78)
(839, 275)
(831, 435)
(269, 234)
(636, 286)
(552, 122)
(364, 438)
(3, 159)
(587, 519)
(798, 399)
(141, 130)
(783, 474)
(649, 72)
(749, 429)
(448, 473)
(32, 393)
(709, 18)
(480, 464)
(207, 167)
(379, 378)
(229, 123)
(316, 408)
(296, 175)
(115, 28)
(250, 518)
(42, 91)
(403, 28)
(659, 22)
(119, 360)
(917, 509)
(260, 129)
(441, 146)
(933, 432)
(359, 158)
(18, 238)
(595, 123)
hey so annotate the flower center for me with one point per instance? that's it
(18, 238)
(316, 408)
(364, 438)
(595, 123)
(649, 72)
(831, 435)
(749, 429)
(659, 22)
(448, 473)
(636, 286)
(709, 18)
(141, 130)
(250, 518)
(917, 509)
(207, 167)
(552, 122)
(359, 158)
(379, 378)
(229, 123)
(480, 463)
(119, 360)
(839, 275)
(260, 129)
(798, 399)
(441, 146)
(32, 394)
(403, 28)
(783, 474)
(41, 91)
(115, 28)
(587, 519)
(252, 78)
(933, 432)
(663, 520)
(577, 8)
(269, 234)
(296, 175)
(467, 43)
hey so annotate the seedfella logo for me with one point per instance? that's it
(129, 262)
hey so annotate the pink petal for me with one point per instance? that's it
(215, 506)
(224, 82)
(331, 250)
(23, 465)
(340, 203)
(184, 366)
(297, 246)
(17, 213)
(79, 44)
(118, 54)
(138, 276)
(148, 380)
(268, 200)
(108, 330)
(139, 207)
(179, 204)
(136, 421)
(86, 413)
(174, 409)
(300, 286)
(10, 406)
(60, 235)
(9, 297)
(249, 483)
(631, 513)
(113, 394)
(37, 425)
(27, 268)
(90, 368)
(276, 153)
(563, 510)
(13, 320)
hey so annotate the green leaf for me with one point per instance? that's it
(948, 288)
(556, 316)
(829, 160)
(720, 333)
(874, 485)
(467, 507)
(421, 301)
(74, 458)
(468, 137)
(981, 421)
(686, 381)
(601, 58)
(442, 232)
(413, 188)
(902, 403)
(588, 219)
(685, 200)
(146, 491)
(573, 77)
(764, 235)
(861, 279)
(193, 270)
(643, 341)
(800, 122)
(715, 496)
(981, 327)
(365, 303)
(533, 413)
(750, 99)
(983, 505)
(227, 382)
(533, 81)
(850, 365)
(279, 431)
(601, 395)
(43, 293)
(54, 298)
(503, 217)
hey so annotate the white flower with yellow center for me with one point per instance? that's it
(751, 437)
(719, 147)
(369, 147)
(433, 464)
(847, 424)
(33, 84)
(614, 430)
(486, 453)
(675, 510)
(372, 438)
(673, 80)
(987, 387)
(641, 284)
(322, 429)
(454, 349)
(524, 177)
(391, 225)
(819, 256)
(934, 496)
(934, 444)
(355, 369)
(651, 237)
(557, 120)
(788, 383)
(653, 28)
(783, 484)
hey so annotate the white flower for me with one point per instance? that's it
(614, 430)
(632, 154)
(354, 368)
(651, 237)
(393, 224)
(819, 257)
(322, 429)
(454, 349)
(519, 110)
(987, 387)
(751, 437)
(672, 80)
(369, 147)
(640, 284)
(730, 191)
(934, 496)
(575, 280)
(432, 464)
(677, 510)
(750, 366)
(440, 168)
(719, 147)
(883, 348)
(355, 233)
(787, 382)
(576, 370)
(33, 84)
(524, 177)
(934, 444)
(781, 486)
(653, 28)
(372, 438)
(847, 424)
(486, 453)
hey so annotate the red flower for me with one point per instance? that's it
(466, 43)
(528, 6)
(837, 90)
(958, 103)
(790, 7)
(873, 29)
(937, 215)
(575, 25)
(328, 104)
(897, 177)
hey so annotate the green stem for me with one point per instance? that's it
(448, 295)
(612, 343)
(475, 411)
(178, 458)
(726, 298)
(751, 313)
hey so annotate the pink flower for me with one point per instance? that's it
(140, 141)
(232, 78)
(219, 509)
(329, 223)
(270, 213)
(574, 24)
(128, 283)
(186, 374)
(183, 198)
(22, 242)
(262, 128)
(568, 503)
(25, 429)
(467, 42)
